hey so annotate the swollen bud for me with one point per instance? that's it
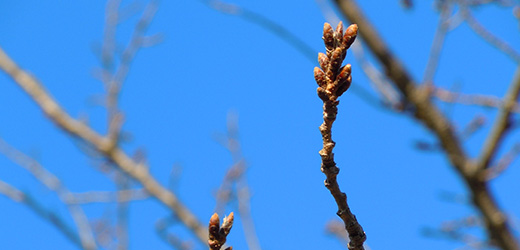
(339, 32)
(323, 60)
(350, 35)
(319, 76)
(328, 36)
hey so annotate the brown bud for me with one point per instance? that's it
(322, 94)
(323, 60)
(336, 60)
(228, 223)
(215, 220)
(339, 33)
(328, 36)
(344, 73)
(350, 35)
(344, 79)
(319, 75)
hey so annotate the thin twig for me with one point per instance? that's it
(501, 125)
(502, 164)
(480, 30)
(54, 219)
(54, 184)
(333, 80)
(471, 99)
(236, 177)
(438, 42)
(263, 22)
(126, 195)
(161, 227)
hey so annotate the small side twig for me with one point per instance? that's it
(218, 234)
(46, 214)
(235, 185)
(333, 80)
(54, 184)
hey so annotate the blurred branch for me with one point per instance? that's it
(54, 184)
(480, 30)
(114, 80)
(501, 125)
(161, 227)
(454, 230)
(475, 124)
(236, 177)
(263, 22)
(337, 229)
(438, 42)
(122, 211)
(498, 228)
(102, 144)
(471, 99)
(506, 161)
(125, 195)
(54, 219)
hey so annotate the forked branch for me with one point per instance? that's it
(333, 80)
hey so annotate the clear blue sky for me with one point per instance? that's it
(180, 91)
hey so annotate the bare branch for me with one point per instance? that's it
(501, 125)
(54, 219)
(480, 30)
(438, 41)
(54, 184)
(102, 144)
(235, 177)
(471, 99)
(263, 22)
(494, 171)
(333, 80)
(126, 195)
(161, 227)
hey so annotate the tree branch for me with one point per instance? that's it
(419, 98)
(502, 123)
(333, 80)
(102, 144)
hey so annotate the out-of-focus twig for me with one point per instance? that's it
(113, 81)
(126, 195)
(54, 184)
(161, 227)
(501, 125)
(54, 219)
(485, 34)
(438, 42)
(263, 22)
(102, 144)
(475, 124)
(503, 163)
(471, 99)
(337, 229)
(235, 177)
(454, 230)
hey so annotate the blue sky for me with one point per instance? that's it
(178, 95)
